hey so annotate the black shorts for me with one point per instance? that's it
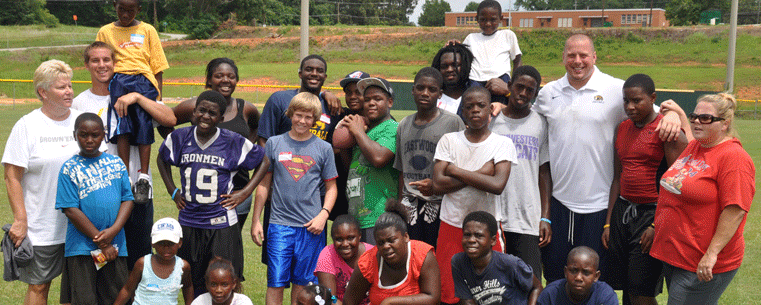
(199, 246)
(638, 273)
(526, 247)
(82, 284)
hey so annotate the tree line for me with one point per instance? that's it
(201, 18)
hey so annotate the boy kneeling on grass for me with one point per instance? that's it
(158, 278)
(94, 193)
(484, 276)
(580, 285)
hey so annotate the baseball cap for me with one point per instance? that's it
(353, 77)
(166, 229)
(375, 81)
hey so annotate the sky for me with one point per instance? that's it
(456, 5)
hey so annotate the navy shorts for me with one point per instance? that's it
(570, 230)
(292, 254)
(138, 124)
(494, 99)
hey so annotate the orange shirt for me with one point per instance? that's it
(368, 265)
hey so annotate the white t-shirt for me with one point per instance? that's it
(492, 55)
(455, 148)
(449, 104)
(581, 129)
(41, 145)
(98, 104)
(238, 299)
(519, 208)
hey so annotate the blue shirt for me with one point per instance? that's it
(600, 294)
(506, 280)
(273, 120)
(96, 186)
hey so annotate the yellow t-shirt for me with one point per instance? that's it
(137, 50)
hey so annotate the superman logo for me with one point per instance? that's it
(298, 166)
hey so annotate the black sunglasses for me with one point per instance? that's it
(704, 118)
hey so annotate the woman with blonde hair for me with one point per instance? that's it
(702, 207)
(38, 145)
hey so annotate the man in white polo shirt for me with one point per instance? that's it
(583, 109)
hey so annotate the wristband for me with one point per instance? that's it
(606, 226)
(175, 192)
(546, 220)
(326, 210)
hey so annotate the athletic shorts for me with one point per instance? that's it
(494, 98)
(82, 284)
(570, 230)
(292, 254)
(636, 272)
(424, 219)
(138, 124)
(449, 244)
(199, 246)
(526, 247)
(45, 265)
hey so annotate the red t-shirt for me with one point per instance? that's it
(695, 190)
(641, 153)
(368, 265)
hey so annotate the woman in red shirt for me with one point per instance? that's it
(702, 208)
(398, 270)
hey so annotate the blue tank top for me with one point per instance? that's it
(155, 290)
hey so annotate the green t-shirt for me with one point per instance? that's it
(369, 187)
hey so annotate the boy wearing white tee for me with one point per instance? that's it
(523, 207)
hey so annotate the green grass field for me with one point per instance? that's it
(741, 291)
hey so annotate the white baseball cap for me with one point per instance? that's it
(166, 229)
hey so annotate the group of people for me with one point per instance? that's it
(489, 186)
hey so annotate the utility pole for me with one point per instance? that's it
(338, 13)
(650, 20)
(729, 86)
(304, 46)
(155, 19)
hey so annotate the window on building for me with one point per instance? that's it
(565, 22)
(527, 23)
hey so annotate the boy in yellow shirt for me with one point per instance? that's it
(139, 66)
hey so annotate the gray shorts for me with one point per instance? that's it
(685, 288)
(45, 266)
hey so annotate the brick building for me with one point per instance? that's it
(567, 19)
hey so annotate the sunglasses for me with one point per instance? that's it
(704, 118)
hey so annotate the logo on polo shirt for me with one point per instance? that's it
(598, 99)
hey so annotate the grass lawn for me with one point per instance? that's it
(741, 291)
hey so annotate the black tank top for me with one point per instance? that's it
(238, 125)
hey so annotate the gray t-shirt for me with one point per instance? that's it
(298, 168)
(416, 145)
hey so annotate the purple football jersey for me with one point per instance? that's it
(206, 172)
